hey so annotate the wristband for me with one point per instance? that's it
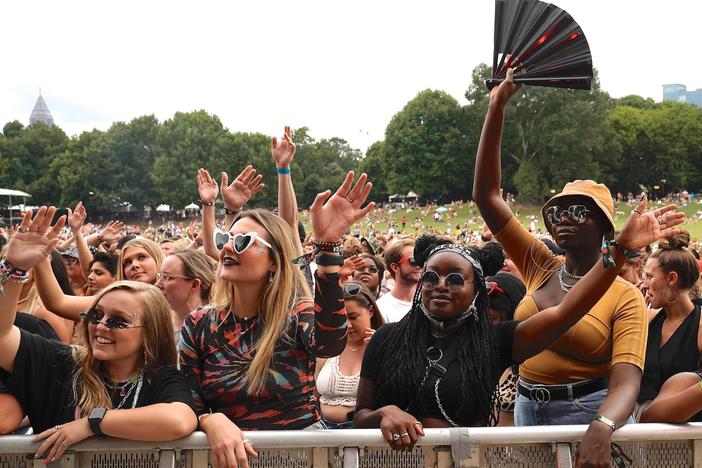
(7, 271)
(329, 260)
(608, 256)
(607, 421)
(229, 212)
(206, 203)
(283, 170)
(334, 247)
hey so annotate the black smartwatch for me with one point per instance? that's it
(95, 419)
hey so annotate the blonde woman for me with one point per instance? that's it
(123, 384)
(250, 358)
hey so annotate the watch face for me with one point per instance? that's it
(97, 413)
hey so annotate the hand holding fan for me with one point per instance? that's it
(543, 44)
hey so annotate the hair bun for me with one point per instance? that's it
(424, 245)
(491, 258)
(676, 242)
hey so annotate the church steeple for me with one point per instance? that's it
(41, 113)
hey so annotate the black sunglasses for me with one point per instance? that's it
(353, 290)
(95, 317)
(577, 213)
(453, 281)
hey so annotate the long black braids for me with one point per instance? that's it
(404, 359)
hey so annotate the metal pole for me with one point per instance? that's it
(11, 222)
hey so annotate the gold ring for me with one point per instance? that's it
(23, 229)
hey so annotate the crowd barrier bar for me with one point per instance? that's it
(354, 448)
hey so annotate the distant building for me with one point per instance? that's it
(41, 113)
(679, 93)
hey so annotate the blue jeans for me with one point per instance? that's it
(336, 425)
(580, 410)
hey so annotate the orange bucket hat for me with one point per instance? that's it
(598, 193)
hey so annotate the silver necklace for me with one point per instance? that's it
(569, 274)
(565, 287)
(127, 388)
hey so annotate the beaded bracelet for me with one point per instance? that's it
(328, 246)
(207, 203)
(7, 271)
(229, 212)
(608, 256)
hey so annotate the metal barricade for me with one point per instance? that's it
(649, 445)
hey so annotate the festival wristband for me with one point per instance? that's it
(608, 255)
(283, 170)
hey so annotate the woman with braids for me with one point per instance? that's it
(594, 371)
(412, 368)
(123, 384)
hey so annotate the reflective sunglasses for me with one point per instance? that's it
(95, 317)
(493, 287)
(409, 260)
(453, 281)
(240, 242)
(577, 213)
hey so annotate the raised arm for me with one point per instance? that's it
(33, 241)
(331, 218)
(283, 153)
(537, 332)
(53, 298)
(488, 169)
(208, 191)
(76, 218)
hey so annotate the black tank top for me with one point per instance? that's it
(679, 354)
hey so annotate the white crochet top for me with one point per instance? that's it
(336, 389)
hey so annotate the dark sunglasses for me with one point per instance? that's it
(577, 213)
(453, 281)
(95, 317)
(493, 287)
(240, 242)
(409, 260)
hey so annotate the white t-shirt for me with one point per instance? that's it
(392, 308)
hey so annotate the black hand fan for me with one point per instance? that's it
(543, 44)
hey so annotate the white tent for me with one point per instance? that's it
(163, 208)
(13, 193)
(192, 206)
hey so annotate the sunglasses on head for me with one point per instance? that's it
(577, 213)
(240, 242)
(95, 317)
(409, 260)
(492, 287)
(453, 281)
(353, 290)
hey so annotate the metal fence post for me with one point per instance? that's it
(564, 458)
(198, 458)
(351, 459)
(320, 457)
(697, 453)
(166, 459)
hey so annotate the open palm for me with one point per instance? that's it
(284, 150)
(332, 217)
(206, 186)
(246, 185)
(35, 238)
(645, 227)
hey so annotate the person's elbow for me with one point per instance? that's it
(181, 422)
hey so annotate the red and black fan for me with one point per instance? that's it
(543, 44)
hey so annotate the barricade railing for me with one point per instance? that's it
(651, 445)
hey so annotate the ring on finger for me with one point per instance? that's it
(247, 441)
(636, 210)
(396, 436)
(57, 427)
(658, 218)
(404, 434)
(350, 201)
(23, 229)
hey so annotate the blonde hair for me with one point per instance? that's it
(286, 290)
(151, 247)
(89, 392)
(200, 266)
(180, 244)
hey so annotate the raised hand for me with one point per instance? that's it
(332, 217)
(246, 185)
(35, 238)
(645, 227)
(206, 186)
(284, 150)
(76, 218)
(112, 231)
(503, 93)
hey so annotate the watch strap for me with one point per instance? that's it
(329, 260)
(607, 421)
(94, 420)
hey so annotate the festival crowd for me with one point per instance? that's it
(249, 323)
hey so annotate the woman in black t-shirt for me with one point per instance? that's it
(413, 369)
(123, 384)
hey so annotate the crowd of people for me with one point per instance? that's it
(249, 323)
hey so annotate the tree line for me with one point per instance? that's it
(551, 136)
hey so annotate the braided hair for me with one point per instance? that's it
(404, 362)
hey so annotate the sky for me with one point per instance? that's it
(340, 68)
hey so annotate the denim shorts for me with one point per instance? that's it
(338, 425)
(581, 410)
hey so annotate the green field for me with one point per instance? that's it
(380, 218)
